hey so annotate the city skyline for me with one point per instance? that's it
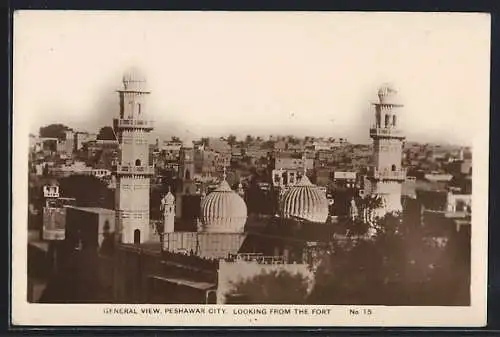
(256, 73)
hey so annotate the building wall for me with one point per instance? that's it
(206, 245)
(54, 223)
(233, 272)
(390, 191)
(81, 227)
(132, 205)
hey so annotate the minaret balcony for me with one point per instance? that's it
(122, 123)
(386, 133)
(398, 175)
(134, 170)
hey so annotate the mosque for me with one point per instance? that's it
(171, 262)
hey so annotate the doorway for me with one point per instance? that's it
(137, 236)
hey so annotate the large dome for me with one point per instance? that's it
(305, 201)
(223, 211)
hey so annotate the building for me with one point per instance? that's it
(345, 179)
(305, 201)
(80, 138)
(134, 170)
(54, 214)
(386, 175)
(89, 227)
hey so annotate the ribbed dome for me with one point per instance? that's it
(223, 211)
(134, 79)
(306, 201)
(387, 94)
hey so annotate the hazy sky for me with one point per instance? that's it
(214, 73)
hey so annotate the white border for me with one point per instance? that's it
(24, 313)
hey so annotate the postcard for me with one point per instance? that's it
(250, 169)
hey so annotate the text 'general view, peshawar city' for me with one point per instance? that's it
(118, 216)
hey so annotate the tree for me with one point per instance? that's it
(53, 131)
(87, 190)
(248, 139)
(106, 133)
(231, 140)
(399, 265)
(176, 139)
(270, 287)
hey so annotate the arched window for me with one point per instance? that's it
(138, 162)
(106, 227)
(386, 121)
(137, 236)
(187, 175)
(393, 167)
(394, 120)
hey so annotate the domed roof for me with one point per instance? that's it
(387, 94)
(169, 198)
(133, 78)
(223, 211)
(306, 201)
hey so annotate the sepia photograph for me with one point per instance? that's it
(241, 168)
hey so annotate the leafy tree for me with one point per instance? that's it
(175, 139)
(53, 131)
(106, 133)
(248, 139)
(231, 140)
(271, 287)
(205, 141)
(399, 265)
(87, 190)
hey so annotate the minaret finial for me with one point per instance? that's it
(224, 174)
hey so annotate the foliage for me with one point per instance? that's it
(398, 266)
(87, 190)
(53, 131)
(272, 287)
(106, 133)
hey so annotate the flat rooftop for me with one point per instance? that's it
(96, 210)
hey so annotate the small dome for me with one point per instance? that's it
(134, 79)
(387, 94)
(306, 201)
(169, 198)
(223, 211)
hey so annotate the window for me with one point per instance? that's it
(137, 236)
(394, 120)
(387, 120)
(393, 167)
(138, 162)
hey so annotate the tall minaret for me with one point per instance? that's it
(133, 170)
(387, 175)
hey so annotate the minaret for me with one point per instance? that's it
(387, 175)
(168, 205)
(133, 171)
